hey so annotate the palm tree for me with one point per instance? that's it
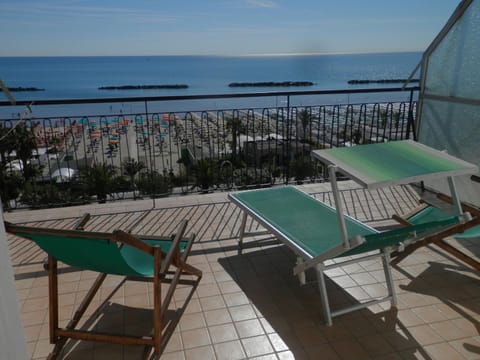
(235, 125)
(131, 168)
(98, 179)
(305, 119)
(7, 143)
(25, 144)
(205, 173)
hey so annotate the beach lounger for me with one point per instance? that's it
(161, 260)
(311, 229)
(426, 213)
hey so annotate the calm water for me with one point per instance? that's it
(80, 77)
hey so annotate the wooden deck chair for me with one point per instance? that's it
(156, 259)
(426, 213)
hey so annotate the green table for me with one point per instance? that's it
(393, 163)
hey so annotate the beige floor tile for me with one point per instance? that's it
(195, 338)
(443, 351)
(249, 328)
(222, 333)
(212, 302)
(257, 345)
(469, 348)
(200, 353)
(217, 317)
(231, 350)
(425, 335)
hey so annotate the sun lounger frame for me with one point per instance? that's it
(305, 260)
(313, 250)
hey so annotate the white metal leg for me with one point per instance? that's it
(455, 199)
(388, 276)
(338, 206)
(242, 230)
(323, 294)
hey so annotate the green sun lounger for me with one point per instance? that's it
(310, 228)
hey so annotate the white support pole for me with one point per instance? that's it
(455, 199)
(242, 230)
(301, 275)
(322, 287)
(338, 206)
(388, 276)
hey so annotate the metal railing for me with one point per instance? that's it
(161, 145)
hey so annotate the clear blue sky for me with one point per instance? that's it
(224, 27)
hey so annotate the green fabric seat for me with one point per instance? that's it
(310, 224)
(392, 238)
(313, 225)
(431, 213)
(99, 254)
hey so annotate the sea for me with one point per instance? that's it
(63, 78)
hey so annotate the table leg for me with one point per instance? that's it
(323, 294)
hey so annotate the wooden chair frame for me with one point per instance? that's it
(439, 239)
(162, 263)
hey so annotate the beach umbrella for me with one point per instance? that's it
(14, 165)
(63, 174)
(273, 136)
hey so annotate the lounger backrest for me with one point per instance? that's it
(393, 238)
(428, 214)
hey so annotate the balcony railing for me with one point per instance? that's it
(88, 149)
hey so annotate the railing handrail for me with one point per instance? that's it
(207, 96)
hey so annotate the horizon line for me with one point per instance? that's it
(228, 55)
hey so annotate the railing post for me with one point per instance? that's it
(410, 124)
(151, 162)
(288, 146)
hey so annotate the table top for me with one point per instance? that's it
(393, 163)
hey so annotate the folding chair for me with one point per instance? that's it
(426, 213)
(156, 259)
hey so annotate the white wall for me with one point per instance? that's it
(12, 338)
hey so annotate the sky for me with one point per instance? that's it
(218, 27)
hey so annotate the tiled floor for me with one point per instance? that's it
(250, 306)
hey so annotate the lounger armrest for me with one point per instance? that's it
(173, 255)
(131, 240)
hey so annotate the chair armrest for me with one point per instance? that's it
(131, 240)
(173, 255)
